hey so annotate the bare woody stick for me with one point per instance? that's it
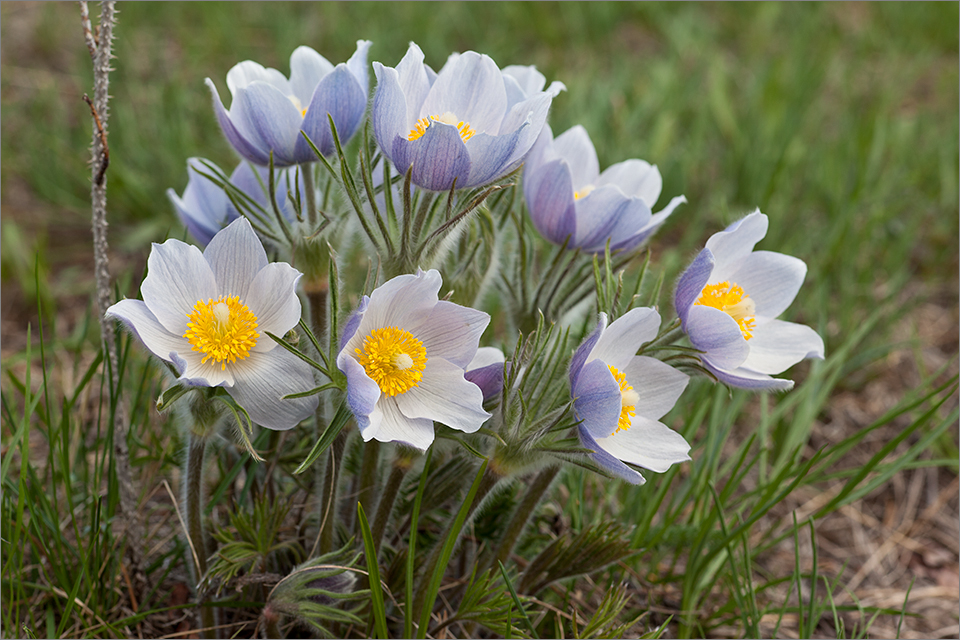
(100, 43)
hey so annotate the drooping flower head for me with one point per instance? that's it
(568, 197)
(269, 111)
(204, 209)
(619, 397)
(469, 124)
(404, 353)
(728, 300)
(208, 315)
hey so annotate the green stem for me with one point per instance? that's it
(194, 500)
(310, 197)
(521, 515)
(385, 507)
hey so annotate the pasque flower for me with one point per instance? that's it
(619, 397)
(204, 209)
(269, 111)
(208, 315)
(728, 300)
(568, 197)
(469, 125)
(486, 371)
(404, 354)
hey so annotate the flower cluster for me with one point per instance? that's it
(409, 358)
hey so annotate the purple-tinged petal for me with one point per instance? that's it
(451, 332)
(136, 317)
(657, 385)
(177, 277)
(741, 378)
(362, 392)
(691, 283)
(777, 345)
(489, 156)
(635, 178)
(261, 381)
(737, 240)
(620, 341)
(194, 372)
(438, 158)
(486, 371)
(607, 461)
(353, 322)
(772, 280)
(200, 226)
(526, 79)
(548, 191)
(388, 114)
(585, 349)
(574, 146)
(444, 395)
(647, 443)
(357, 64)
(239, 141)
(396, 427)
(307, 69)
(597, 399)
(272, 298)
(528, 119)
(717, 335)
(235, 256)
(606, 215)
(472, 89)
(268, 119)
(651, 227)
(339, 95)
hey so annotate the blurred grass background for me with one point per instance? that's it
(838, 120)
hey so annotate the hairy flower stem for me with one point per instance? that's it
(521, 516)
(193, 479)
(487, 483)
(368, 475)
(328, 499)
(401, 464)
(310, 197)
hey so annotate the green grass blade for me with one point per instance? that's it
(376, 591)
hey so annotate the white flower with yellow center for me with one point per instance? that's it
(208, 315)
(404, 353)
(728, 300)
(619, 398)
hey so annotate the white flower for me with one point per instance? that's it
(619, 397)
(728, 300)
(208, 314)
(404, 354)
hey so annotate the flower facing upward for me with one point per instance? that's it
(205, 208)
(619, 397)
(568, 196)
(470, 124)
(728, 300)
(208, 315)
(404, 353)
(269, 111)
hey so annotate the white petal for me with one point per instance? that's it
(647, 443)
(272, 298)
(248, 71)
(445, 396)
(771, 279)
(777, 345)
(636, 178)
(177, 277)
(486, 356)
(737, 240)
(262, 380)
(136, 317)
(396, 427)
(620, 341)
(451, 332)
(657, 384)
(717, 335)
(235, 256)
(401, 302)
(472, 89)
(574, 146)
(307, 69)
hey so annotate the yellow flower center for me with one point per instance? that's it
(393, 358)
(731, 299)
(583, 193)
(223, 330)
(421, 126)
(628, 401)
(299, 105)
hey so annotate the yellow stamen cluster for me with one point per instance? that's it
(731, 299)
(393, 358)
(628, 401)
(421, 126)
(223, 330)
